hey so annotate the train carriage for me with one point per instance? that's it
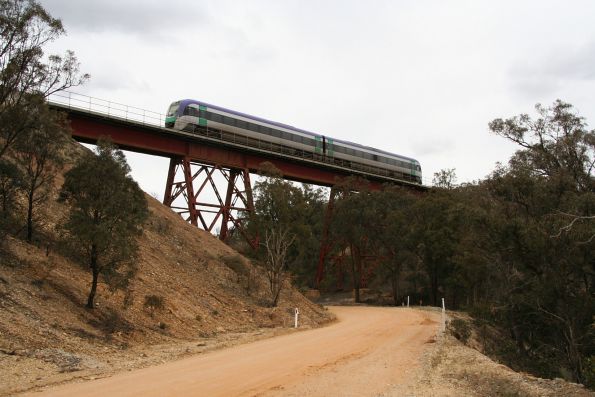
(195, 116)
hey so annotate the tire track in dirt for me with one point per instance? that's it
(367, 351)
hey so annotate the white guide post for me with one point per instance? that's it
(407, 300)
(443, 316)
(296, 315)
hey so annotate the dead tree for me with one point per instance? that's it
(276, 244)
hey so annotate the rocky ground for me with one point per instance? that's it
(208, 296)
(453, 368)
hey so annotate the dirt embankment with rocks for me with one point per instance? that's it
(191, 293)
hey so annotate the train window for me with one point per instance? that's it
(296, 138)
(286, 135)
(215, 117)
(276, 133)
(242, 124)
(253, 127)
(308, 141)
(173, 108)
(228, 121)
(191, 110)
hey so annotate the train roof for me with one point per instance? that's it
(185, 102)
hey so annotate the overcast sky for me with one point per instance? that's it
(417, 78)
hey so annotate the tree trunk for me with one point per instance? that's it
(355, 266)
(30, 216)
(95, 272)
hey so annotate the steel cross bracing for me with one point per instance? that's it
(190, 184)
(333, 252)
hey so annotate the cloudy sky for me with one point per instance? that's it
(417, 78)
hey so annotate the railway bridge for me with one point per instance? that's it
(205, 161)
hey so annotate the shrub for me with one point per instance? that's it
(460, 329)
(154, 302)
(235, 263)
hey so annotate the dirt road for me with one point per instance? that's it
(366, 353)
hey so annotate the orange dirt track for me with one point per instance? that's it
(367, 352)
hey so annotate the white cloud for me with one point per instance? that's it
(421, 79)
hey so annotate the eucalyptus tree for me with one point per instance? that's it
(27, 75)
(107, 211)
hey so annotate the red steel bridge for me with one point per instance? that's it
(200, 162)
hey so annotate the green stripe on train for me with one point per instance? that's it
(318, 146)
(329, 147)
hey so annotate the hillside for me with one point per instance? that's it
(210, 297)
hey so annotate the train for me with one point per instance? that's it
(199, 117)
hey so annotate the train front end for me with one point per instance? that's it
(172, 114)
(417, 172)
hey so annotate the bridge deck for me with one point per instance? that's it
(212, 147)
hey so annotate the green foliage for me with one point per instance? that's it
(460, 329)
(395, 241)
(354, 217)
(39, 152)
(154, 302)
(589, 369)
(283, 205)
(27, 77)
(516, 249)
(445, 179)
(11, 183)
(107, 212)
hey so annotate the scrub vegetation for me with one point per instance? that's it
(515, 249)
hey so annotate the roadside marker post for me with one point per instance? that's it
(443, 316)
(407, 300)
(296, 315)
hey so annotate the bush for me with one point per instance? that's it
(460, 329)
(246, 275)
(154, 303)
(235, 263)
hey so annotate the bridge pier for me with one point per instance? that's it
(193, 190)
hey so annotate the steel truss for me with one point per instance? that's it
(334, 252)
(193, 191)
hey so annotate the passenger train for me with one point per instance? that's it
(199, 117)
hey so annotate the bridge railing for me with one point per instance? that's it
(112, 109)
